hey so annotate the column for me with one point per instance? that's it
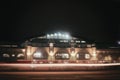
(51, 52)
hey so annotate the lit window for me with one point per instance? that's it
(87, 56)
(61, 41)
(83, 41)
(65, 55)
(77, 41)
(6, 55)
(20, 55)
(77, 56)
(37, 55)
(88, 45)
(65, 40)
(62, 56)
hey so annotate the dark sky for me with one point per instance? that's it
(97, 20)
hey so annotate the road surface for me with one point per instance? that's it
(75, 72)
(70, 75)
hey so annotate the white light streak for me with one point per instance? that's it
(54, 64)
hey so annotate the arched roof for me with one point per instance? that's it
(56, 38)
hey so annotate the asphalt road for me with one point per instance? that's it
(59, 71)
(70, 75)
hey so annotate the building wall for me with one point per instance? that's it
(11, 53)
(110, 55)
(51, 52)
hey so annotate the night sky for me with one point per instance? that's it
(97, 20)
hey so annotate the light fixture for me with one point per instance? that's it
(51, 53)
(13, 55)
(48, 36)
(119, 42)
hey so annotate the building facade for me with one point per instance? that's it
(57, 48)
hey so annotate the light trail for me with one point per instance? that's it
(67, 64)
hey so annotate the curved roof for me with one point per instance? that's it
(59, 39)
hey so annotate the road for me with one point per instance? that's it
(70, 75)
(59, 71)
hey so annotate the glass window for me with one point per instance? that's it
(62, 56)
(40, 55)
(20, 55)
(87, 56)
(6, 55)
(37, 55)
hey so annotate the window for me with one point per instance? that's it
(87, 56)
(6, 55)
(62, 56)
(20, 55)
(83, 41)
(38, 55)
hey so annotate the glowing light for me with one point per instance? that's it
(52, 35)
(83, 41)
(51, 53)
(65, 55)
(72, 53)
(23, 50)
(20, 55)
(37, 55)
(70, 64)
(87, 56)
(51, 44)
(94, 55)
(67, 36)
(55, 34)
(63, 36)
(77, 41)
(13, 55)
(59, 34)
(6, 55)
(119, 42)
(48, 36)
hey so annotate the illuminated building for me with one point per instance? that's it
(57, 48)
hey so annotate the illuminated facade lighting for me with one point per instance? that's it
(51, 53)
(60, 46)
(58, 36)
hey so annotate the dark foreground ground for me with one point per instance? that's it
(69, 75)
(59, 72)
